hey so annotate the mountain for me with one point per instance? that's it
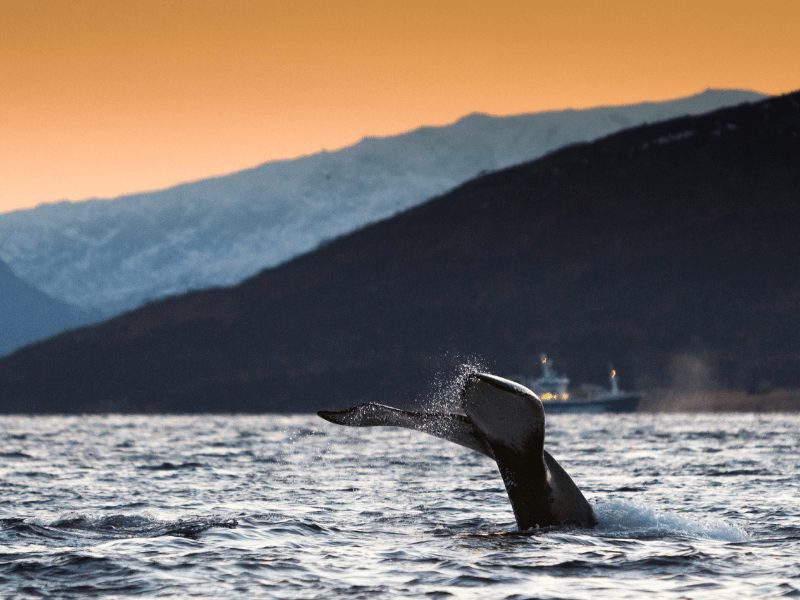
(668, 248)
(27, 314)
(114, 255)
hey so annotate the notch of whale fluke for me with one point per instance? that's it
(504, 421)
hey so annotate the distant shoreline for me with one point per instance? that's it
(666, 400)
(653, 401)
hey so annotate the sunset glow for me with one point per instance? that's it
(101, 98)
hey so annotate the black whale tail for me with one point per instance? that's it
(504, 421)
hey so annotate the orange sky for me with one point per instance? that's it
(99, 98)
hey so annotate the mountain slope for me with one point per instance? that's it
(660, 246)
(26, 314)
(113, 255)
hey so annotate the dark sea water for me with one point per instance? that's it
(689, 506)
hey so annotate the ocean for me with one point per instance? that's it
(689, 506)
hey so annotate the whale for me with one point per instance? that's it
(505, 421)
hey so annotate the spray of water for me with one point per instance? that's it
(441, 407)
(445, 391)
(627, 518)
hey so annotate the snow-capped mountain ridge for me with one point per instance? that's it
(115, 254)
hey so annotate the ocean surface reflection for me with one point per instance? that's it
(292, 506)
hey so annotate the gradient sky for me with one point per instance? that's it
(99, 98)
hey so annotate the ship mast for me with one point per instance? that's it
(612, 376)
(547, 366)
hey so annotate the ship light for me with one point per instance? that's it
(546, 396)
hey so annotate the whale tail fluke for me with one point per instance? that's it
(364, 415)
(452, 427)
(504, 421)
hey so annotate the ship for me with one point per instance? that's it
(553, 390)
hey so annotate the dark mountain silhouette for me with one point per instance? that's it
(662, 248)
(27, 314)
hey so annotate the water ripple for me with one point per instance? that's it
(285, 507)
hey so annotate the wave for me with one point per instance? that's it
(637, 519)
(169, 466)
(114, 526)
(15, 455)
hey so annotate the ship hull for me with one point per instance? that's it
(624, 403)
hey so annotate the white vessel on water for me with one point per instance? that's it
(553, 391)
